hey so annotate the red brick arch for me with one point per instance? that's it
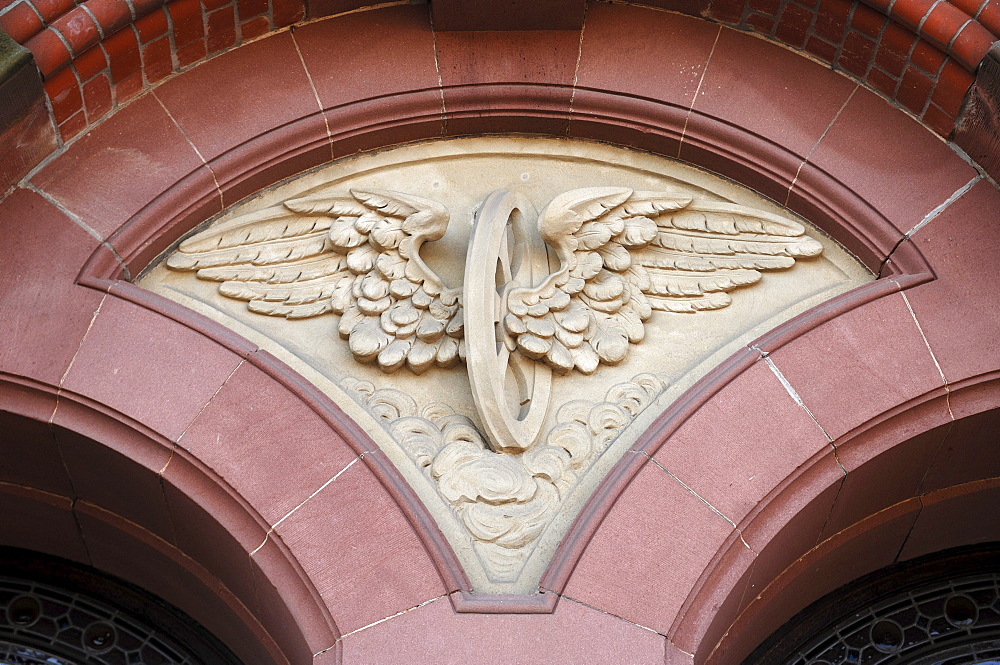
(98, 54)
(748, 486)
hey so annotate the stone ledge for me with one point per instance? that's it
(26, 132)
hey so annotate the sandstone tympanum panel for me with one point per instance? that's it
(504, 316)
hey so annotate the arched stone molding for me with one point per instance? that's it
(95, 56)
(87, 483)
(909, 482)
(743, 433)
(657, 546)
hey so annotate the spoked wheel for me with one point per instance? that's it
(511, 391)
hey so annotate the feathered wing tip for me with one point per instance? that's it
(625, 254)
(353, 255)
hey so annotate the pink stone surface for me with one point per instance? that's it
(790, 523)
(671, 535)
(212, 531)
(149, 367)
(131, 158)
(266, 443)
(435, 634)
(956, 516)
(956, 311)
(23, 509)
(742, 442)
(40, 255)
(232, 98)
(902, 169)
(853, 553)
(515, 56)
(771, 91)
(359, 551)
(715, 601)
(110, 479)
(120, 548)
(885, 468)
(860, 364)
(398, 42)
(251, 454)
(653, 38)
(28, 451)
(287, 609)
(967, 453)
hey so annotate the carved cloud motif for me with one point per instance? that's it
(505, 502)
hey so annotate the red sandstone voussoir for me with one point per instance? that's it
(125, 482)
(967, 453)
(468, 60)
(749, 80)
(127, 551)
(43, 308)
(218, 112)
(886, 464)
(131, 158)
(25, 509)
(718, 451)
(359, 551)
(653, 37)
(583, 634)
(862, 549)
(859, 365)
(211, 531)
(789, 522)
(874, 162)
(398, 44)
(249, 435)
(953, 315)
(290, 607)
(673, 535)
(31, 457)
(180, 373)
(944, 519)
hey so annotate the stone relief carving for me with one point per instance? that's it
(357, 256)
(503, 358)
(506, 501)
(621, 255)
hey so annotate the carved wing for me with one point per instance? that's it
(624, 254)
(357, 256)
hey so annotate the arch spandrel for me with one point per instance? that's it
(504, 497)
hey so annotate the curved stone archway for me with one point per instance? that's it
(748, 486)
(91, 485)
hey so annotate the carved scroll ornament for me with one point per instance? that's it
(618, 255)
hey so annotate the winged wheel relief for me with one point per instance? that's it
(564, 290)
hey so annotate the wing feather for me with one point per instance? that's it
(624, 254)
(357, 256)
(282, 274)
